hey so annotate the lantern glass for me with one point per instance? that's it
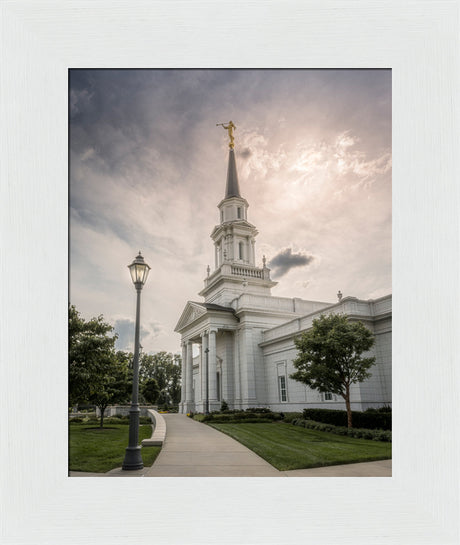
(139, 270)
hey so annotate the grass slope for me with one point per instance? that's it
(290, 447)
(99, 450)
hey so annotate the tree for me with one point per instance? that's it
(150, 390)
(97, 374)
(165, 368)
(114, 386)
(329, 356)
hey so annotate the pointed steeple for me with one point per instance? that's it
(232, 189)
(234, 240)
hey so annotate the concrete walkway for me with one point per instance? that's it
(192, 449)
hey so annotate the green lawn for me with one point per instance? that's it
(99, 450)
(287, 447)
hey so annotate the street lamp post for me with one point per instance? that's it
(207, 380)
(133, 460)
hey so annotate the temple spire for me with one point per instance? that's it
(234, 240)
(232, 188)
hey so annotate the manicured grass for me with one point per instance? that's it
(287, 447)
(99, 450)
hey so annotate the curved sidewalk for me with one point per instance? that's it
(192, 449)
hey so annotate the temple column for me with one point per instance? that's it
(247, 370)
(204, 346)
(198, 393)
(237, 375)
(212, 370)
(183, 378)
(189, 377)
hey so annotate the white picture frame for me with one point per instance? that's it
(41, 41)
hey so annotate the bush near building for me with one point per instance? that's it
(373, 419)
(251, 415)
(357, 433)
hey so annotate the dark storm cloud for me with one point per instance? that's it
(143, 128)
(285, 260)
(245, 153)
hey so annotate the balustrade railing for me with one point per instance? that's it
(239, 270)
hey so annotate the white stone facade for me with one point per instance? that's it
(245, 336)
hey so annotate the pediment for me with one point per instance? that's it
(191, 313)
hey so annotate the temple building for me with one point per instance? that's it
(245, 336)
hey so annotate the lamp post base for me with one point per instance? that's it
(133, 459)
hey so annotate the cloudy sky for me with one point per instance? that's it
(148, 168)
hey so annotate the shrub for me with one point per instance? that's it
(264, 410)
(384, 409)
(371, 420)
(289, 417)
(241, 416)
(114, 420)
(358, 433)
(236, 420)
(382, 435)
(224, 406)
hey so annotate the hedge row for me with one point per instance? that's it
(116, 419)
(257, 410)
(241, 416)
(236, 420)
(371, 420)
(358, 433)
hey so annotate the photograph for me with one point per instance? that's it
(230, 272)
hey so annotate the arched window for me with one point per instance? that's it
(238, 211)
(240, 251)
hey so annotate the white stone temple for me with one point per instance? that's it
(245, 336)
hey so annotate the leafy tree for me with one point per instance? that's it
(150, 390)
(165, 368)
(114, 387)
(97, 374)
(329, 356)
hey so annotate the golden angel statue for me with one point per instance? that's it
(229, 127)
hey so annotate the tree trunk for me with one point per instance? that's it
(347, 403)
(102, 409)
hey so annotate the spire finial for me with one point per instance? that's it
(229, 127)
